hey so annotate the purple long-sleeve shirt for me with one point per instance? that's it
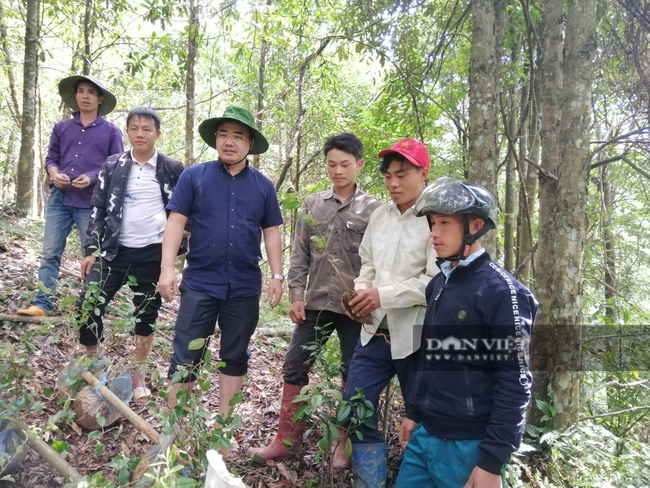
(77, 150)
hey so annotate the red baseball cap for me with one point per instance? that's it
(412, 150)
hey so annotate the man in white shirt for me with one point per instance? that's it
(397, 263)
(125, 230)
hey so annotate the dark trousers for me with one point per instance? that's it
(371, 369)
(198, 316)
(143, 264)
(316, 330)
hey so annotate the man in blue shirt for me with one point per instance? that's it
(230, 205)
(78, 148)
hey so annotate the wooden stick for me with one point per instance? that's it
(31, 319)
(129, 414)
(46, 452)
(69, 272)
(272, 331)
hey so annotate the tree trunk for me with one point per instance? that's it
(14, 106)
(294, 135)
(530, 153)
(259, 115)
(483, 108)
(88, 36)
(607, 226)
(510, 207)
(543, 343)
(563, 206)
(190, 82)
(28, 123)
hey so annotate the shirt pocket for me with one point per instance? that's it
(354, 234)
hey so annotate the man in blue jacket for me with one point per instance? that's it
(472, 384)
(125, 231)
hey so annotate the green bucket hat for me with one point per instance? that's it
(66, 89)
(208, 128)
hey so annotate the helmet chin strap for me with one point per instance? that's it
(468, 239)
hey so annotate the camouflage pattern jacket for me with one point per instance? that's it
(108, 199)
(324, 258)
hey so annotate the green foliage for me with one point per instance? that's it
(194, 429)
(586, 456)
(60, 447)
(168, 473)
(290, 201)
(123, 465)
(326, 412)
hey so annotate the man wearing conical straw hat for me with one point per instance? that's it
(78, 148)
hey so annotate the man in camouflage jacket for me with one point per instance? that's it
(324, 264)
(126, 226)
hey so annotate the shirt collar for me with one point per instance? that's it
(151, 161)
(225, 169)
(330, 193)
(77, 117)
(392, 207)
(446, 267)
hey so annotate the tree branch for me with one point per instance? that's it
(617, 139)
(612, 414)
(636, 167)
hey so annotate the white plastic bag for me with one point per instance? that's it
(218, 475)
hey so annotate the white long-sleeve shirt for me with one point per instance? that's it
(397, 257)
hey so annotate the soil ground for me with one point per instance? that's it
(50, 346)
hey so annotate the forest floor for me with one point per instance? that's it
(49, 348)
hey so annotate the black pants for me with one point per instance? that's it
(316, 330)
(198, 316)
(143, 265)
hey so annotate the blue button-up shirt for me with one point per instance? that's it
(77, 150)
(228, 214)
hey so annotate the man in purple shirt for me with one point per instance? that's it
(78, 148)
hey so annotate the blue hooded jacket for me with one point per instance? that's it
(472, 378)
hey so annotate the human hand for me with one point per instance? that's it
(61, 181)
(297, 312)
(406, 428)
(87, 266)
(168, 284)
(365, 302)
(346, 300)
(81, 182)
(483, 479)
(274, 292)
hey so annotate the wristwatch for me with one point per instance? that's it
(277, 277)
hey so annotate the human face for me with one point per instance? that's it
(447, 234)
(142, 135)
(342, 169)
(87, 97)
(233, 142)
(405, 183)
